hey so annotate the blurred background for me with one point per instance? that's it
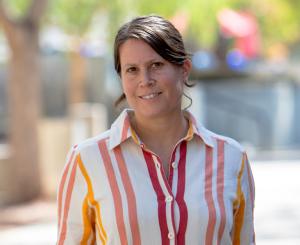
(58, 87)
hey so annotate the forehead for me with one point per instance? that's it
(135, 51)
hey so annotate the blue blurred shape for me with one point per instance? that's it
(236, 60)
(203, 60)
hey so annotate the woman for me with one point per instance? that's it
(157, 176)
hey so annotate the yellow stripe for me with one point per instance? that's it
(86, 223)
(190, 132)
(239, 208)
(101, 230)
(134, 136)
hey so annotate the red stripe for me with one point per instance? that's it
(63, 232)
(209, 197)
(115, 190)
(220, 189)
(173, 221)
(130, 197)
(160, 198)
(125, 128)
(180, 194)
(62, 183)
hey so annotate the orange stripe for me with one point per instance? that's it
(94, 239)
(209, 197)
(125, 128)
(115, 190)
(62, 185)
(100, 228)
(86, 222)
(92, 217)
(135, 232)
(220, 189)
(239, 213)
(63, 232)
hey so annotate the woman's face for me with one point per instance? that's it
(152, 85)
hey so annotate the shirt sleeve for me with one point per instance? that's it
(243, 227)
(75, 214)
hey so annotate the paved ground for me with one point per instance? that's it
(277, 212)
(33, 223)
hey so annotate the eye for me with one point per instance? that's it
(157, 65)
(131, 69)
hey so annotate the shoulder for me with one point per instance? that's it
(213, 139)
(91, 143)
(231, 151)
(230, 144)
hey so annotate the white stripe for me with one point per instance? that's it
(166, 192)
(174, 187)
(175, 171)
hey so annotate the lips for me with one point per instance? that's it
(150, 96)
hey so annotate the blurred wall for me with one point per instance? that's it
(259, 111)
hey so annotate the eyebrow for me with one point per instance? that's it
(148, 62)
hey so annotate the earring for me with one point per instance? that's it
(190, 100)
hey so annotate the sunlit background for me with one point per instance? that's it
(58, 87)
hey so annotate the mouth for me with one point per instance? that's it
(150, 96)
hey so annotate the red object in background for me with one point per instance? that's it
(243, 27)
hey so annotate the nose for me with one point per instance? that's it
(146, 78)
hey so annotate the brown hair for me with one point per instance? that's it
(157, 32)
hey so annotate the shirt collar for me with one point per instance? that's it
(121, 130)
(195, 128)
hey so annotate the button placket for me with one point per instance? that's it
(171, 235)
(168, 197)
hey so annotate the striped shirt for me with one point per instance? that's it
(114, 190)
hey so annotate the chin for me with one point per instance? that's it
(152, 113)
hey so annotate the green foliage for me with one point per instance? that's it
(117, 12)
(166, 8)
(74, 16)
(201, 15)
(279, 19)
(16, 8)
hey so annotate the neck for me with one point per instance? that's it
(159, 132)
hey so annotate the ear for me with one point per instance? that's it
(186, 68)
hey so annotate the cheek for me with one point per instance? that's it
(178, 86)
(175, 81)
(128, 87)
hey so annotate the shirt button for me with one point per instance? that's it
(169, 199)
(174, 165)
(171, 235)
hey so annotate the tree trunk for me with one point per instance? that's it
(77, 85)
(24, 98)
(24, 108)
